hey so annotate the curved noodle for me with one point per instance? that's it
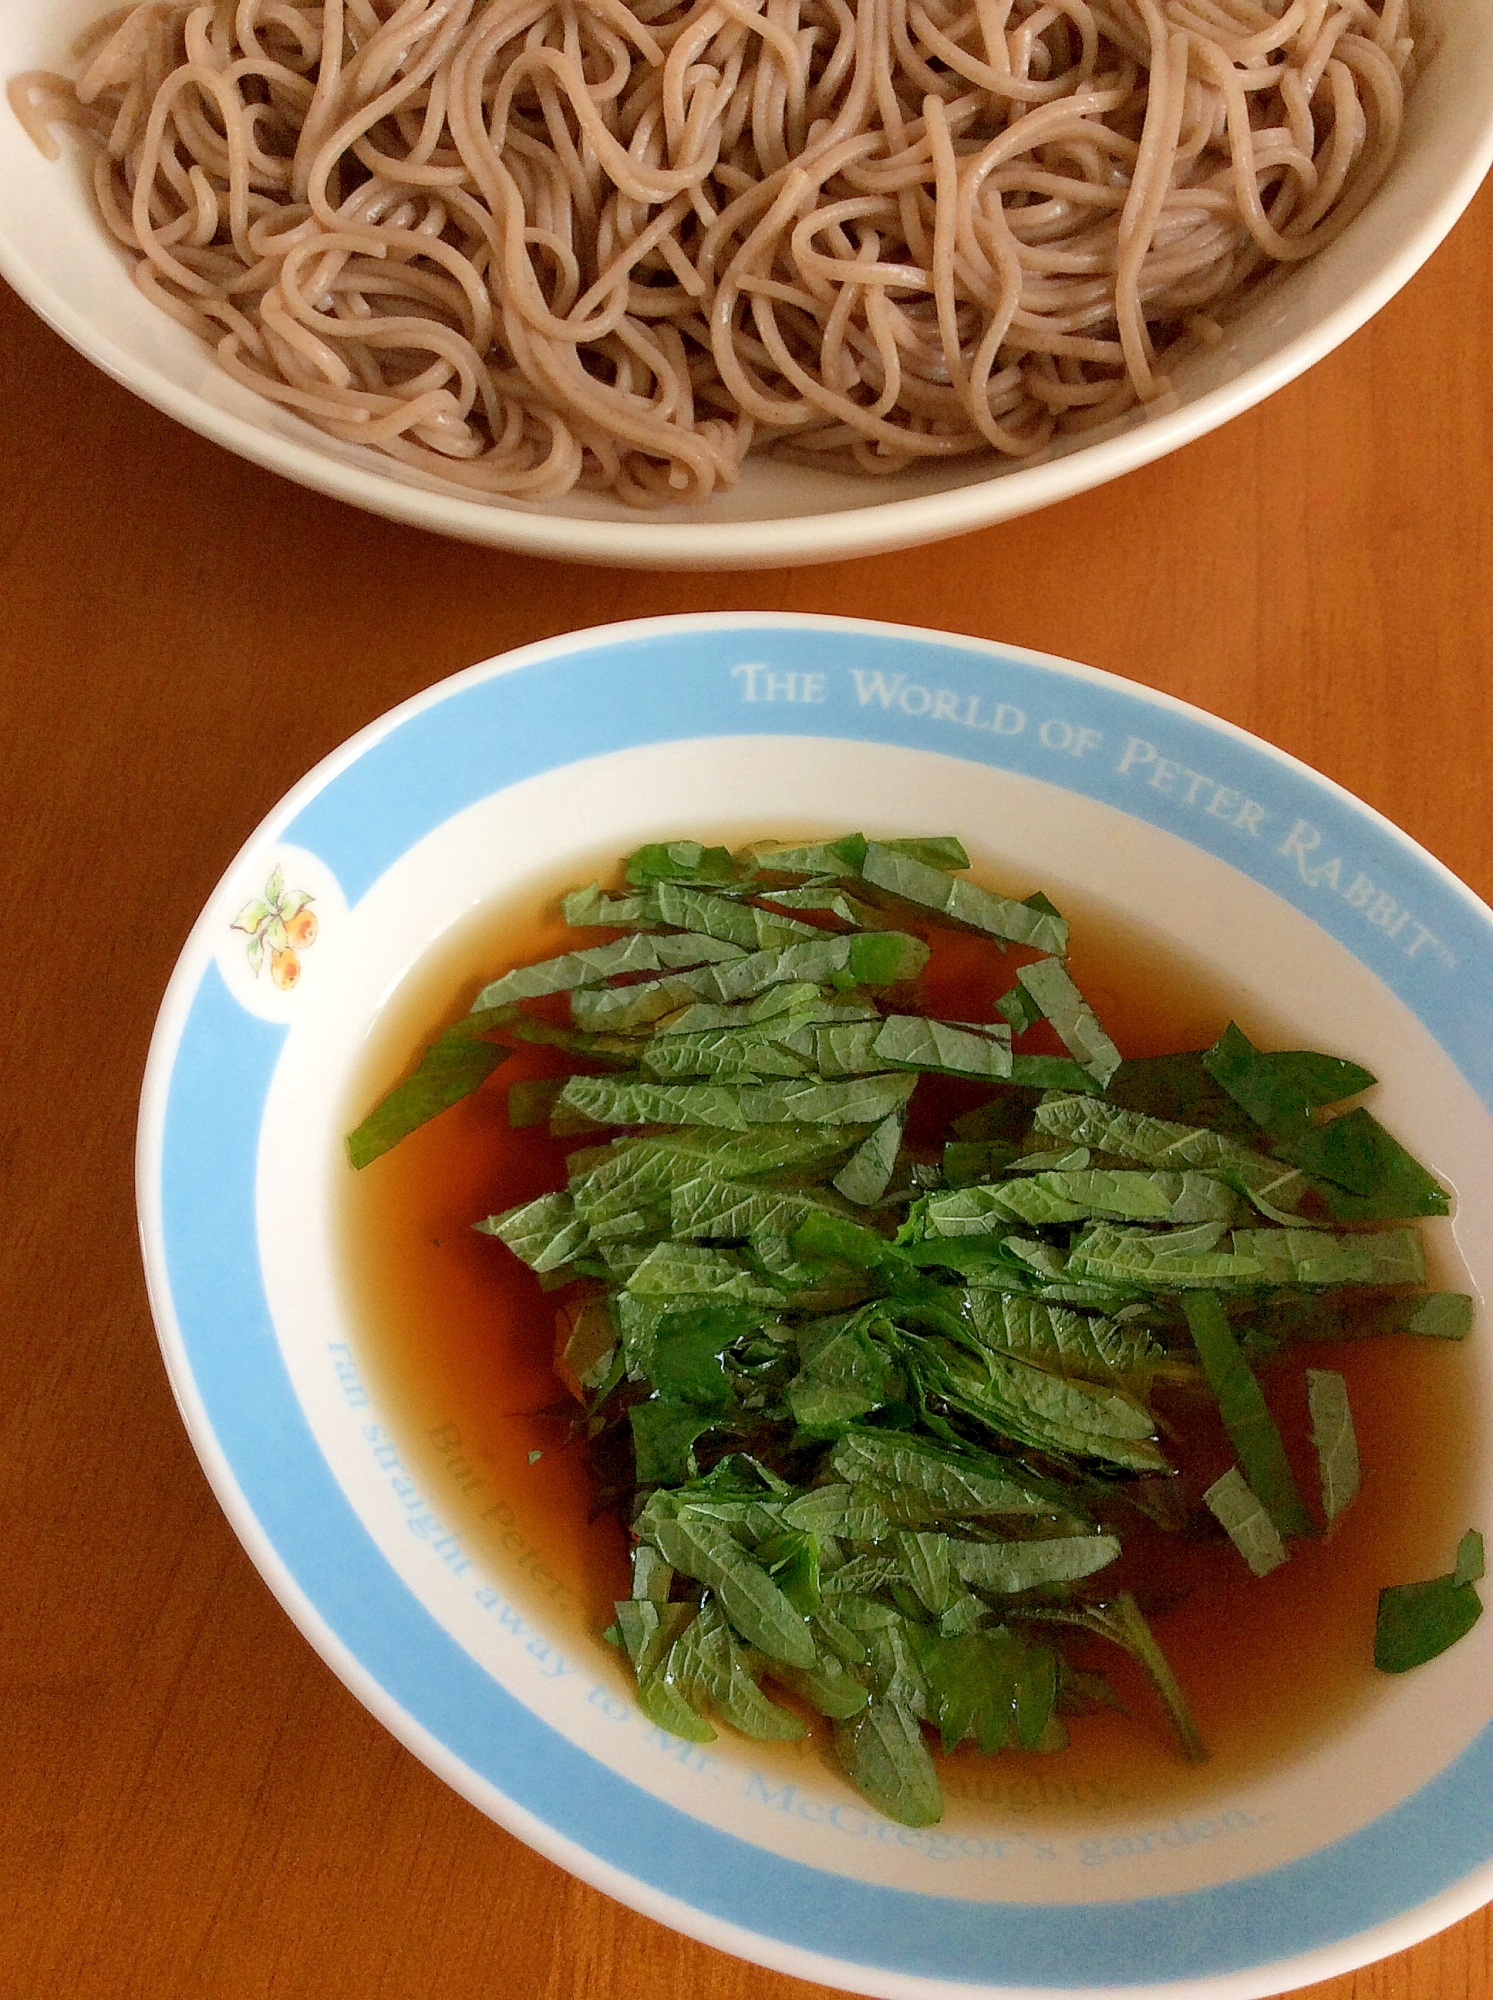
(528, 245)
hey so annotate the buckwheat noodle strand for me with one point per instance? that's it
(524, 246)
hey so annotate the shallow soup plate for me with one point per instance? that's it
(397, 1529)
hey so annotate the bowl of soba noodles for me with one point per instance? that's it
(710, 283)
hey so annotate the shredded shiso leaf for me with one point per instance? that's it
(878, 1413)
(1249, 1526)
(1417, 1621)
(1333, 1438)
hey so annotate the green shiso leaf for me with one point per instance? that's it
(1050, 1412)
(840, 1509)
(632, 1173)
(1171, 1260)
(886, 1759)
(1048, 983)
(705, 1549)
(1050, 1073)
(1003, 1568)
(935, 850)
(1439, 1315)
(1417, 1621)
(620, 1101)
(1071, 1343)
(644, 1321)
(454, 1065)
(873, 958)
(631, 1225)
(719, 917)
(1046, 1198)
(532, 1101)
(1036, 1695)
(721, 1673)
(885, 958)
(1001, 1120)
(1179, 1087)
(664, 1434)
(791, 1559)
(1368, 1176)
(647, 1628)
(808, 1005)
(613, 1049)
(944, 1047)
(1333, 1438)
(821, 1409)
(1251, 1530)
(1274, 1188)
(845, 857)
(663, 1701)
(1311, 1257)
(620, 1009)
(649, 1625)
(920, 1483)
(915, 881)
(866, 1175)
(725, 1055)
(590, 1350)
(926, 1561)
(836, 859)
(685, 1357)
(1018, 1010)
(832, 898)
(829, 1686)
(1364, 1174)
(582, 908)
(679, 861)
(641, 1172)
(673, 1270)
(966, 1161)
(973, 1680)
(709, 1210)
(1280, 1090)
(1124, 1623)
(1159, 1196)
(615, 1260)
(1470, 1566)
(844, 1048)
(543, 1233)
(572, 969)
(1241, 1403)
(1293, 1315)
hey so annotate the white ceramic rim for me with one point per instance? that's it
(796, 539)
(1408, 1928)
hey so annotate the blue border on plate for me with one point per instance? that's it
(1434, 947)
(670, 685)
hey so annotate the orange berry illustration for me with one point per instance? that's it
(280, 925)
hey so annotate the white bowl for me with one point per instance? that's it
(1288, 895)
(56, 254)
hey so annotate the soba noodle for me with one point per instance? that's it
(529, 245)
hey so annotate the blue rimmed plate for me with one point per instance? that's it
(426, 1593)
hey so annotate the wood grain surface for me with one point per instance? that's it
(191, 1806)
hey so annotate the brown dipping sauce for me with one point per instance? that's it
(456, 1339)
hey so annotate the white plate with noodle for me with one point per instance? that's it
(725, 282)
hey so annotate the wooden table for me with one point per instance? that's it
(192, 1807)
